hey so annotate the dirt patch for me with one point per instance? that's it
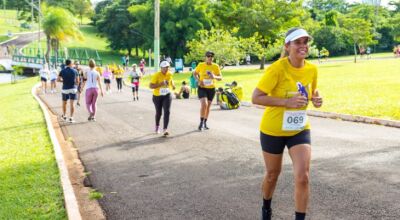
(89, 209)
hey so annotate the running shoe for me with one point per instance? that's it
(205, 127)
(63, 117)
(165, 133)
(158, 130)
(71, 120)
(201, 127)
(266, 214)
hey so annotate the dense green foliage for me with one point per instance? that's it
(334, 23)
(128, 24)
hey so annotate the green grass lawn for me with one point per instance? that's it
(92, 42)
(3, 38)
(9, 22)
(29, 179)
(368, 88)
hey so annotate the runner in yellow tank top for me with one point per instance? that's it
(286, 89)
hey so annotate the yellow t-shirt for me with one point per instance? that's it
(158, 78)
(280, 80)
(238, 91)
(118, 73)
(202, 70)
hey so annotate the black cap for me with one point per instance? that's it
(210, 53)
(234, 83)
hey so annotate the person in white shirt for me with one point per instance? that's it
(135, 77)
(92, 89)
(44, 75)
(53, 78)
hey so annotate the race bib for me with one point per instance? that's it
(294, 120)
(164, 91)
(135, 80)
(208, 82)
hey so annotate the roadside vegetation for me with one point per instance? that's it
(30, 183)
(368, 88)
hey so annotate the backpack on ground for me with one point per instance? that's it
(230, 98)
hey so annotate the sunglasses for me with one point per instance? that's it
(210, 56)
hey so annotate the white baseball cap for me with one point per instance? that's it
(296, 35)
(164, 64)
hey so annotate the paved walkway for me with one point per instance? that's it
(216, 174)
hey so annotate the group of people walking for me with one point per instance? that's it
(286, 89)
(74, 79)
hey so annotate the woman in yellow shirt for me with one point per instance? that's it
(206, 73)
(285, 89)
(162, 83)
(119, 74)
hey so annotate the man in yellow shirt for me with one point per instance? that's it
(206, 74)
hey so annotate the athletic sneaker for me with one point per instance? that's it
(93, 118)
(158, 130)
(63, 117)
(201, 127)
(266, 214)
(134, 99)
(137, 98)
(205, 127)
(71, 120)
(165, 133)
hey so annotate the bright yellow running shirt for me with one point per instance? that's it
(118, 73)
(202, 69)
(158, 78)
(280, 80)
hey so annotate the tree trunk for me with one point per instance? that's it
(262, 63)
(56, 51)
(137, 50)
(47, 56)
(130, 51)
(355, 53)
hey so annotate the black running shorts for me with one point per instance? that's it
(206, 93)
(276, 144)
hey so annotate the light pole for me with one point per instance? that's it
(156, 34)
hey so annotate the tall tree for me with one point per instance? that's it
(115, 26)
(268, 19)
(58, 25)
(360, 32)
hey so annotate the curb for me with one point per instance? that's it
(355, 118)
(71, 204)
(347, 117)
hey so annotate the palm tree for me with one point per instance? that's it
(58, 25)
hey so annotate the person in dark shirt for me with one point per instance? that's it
(69, 78)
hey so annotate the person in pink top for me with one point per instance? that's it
(107, 74)
(141, 65)
(92, 89)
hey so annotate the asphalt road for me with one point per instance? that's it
(217, 174)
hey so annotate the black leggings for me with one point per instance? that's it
(162, 102)
(119, 83)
